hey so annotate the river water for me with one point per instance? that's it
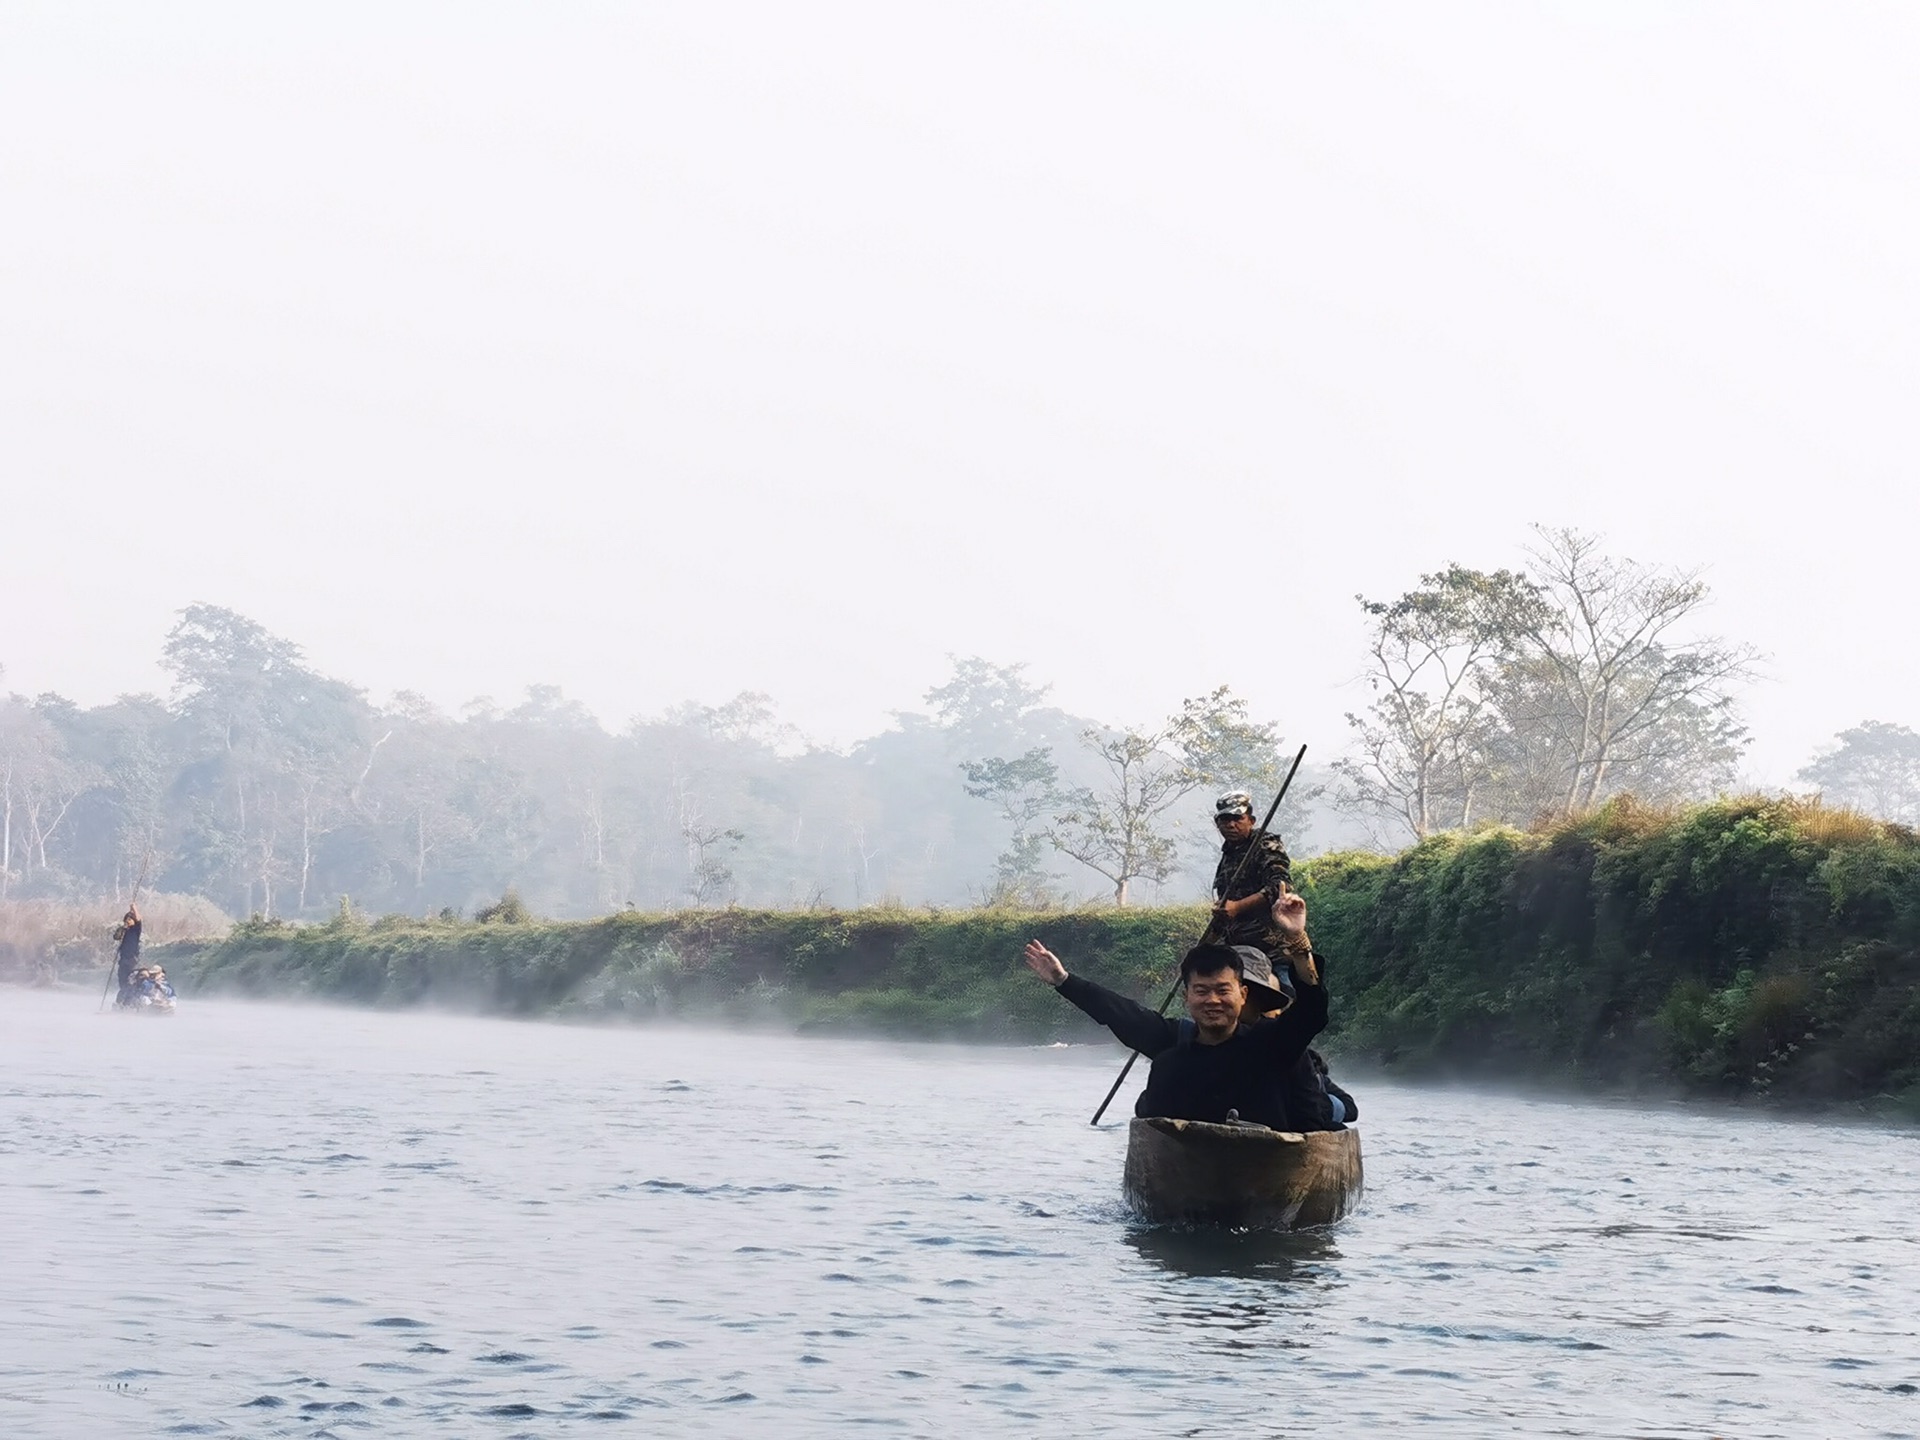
(272, 1220)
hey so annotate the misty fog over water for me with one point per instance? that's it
(267, 1220)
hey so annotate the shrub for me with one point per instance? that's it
(507, 910)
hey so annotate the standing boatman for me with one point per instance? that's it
(1243, 915)
(1244, 897)
(129, 937)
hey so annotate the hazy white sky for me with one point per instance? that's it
(667, 351)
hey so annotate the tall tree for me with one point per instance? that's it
(709, 876)
(1434, 656)
(1525, 697)
(40, 779)
(1116, 829)
(1874, 767)
(1120, 825)
(119, 826)
(1613, 681)
(995, 727)
(1024, 792)
(983, 699)
(406, 794)
(1220, 743)
(276, 741)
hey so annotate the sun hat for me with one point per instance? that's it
(1266, 987)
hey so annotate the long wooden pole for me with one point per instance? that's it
(1207, 934)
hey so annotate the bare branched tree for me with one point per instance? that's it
(39, 783)
(1115, 830)
(1119, 829)
(1434, 654)
(1530, 697)
(709, 877)
(1620, 691)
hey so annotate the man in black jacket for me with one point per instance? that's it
(1217, 1067)
(1314, 1101)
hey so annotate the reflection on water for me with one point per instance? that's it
(1275, 1256)
(267, 1221)
(1244, 1296)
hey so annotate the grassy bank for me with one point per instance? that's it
(1752, 947)
(945, 975)
(54, 942)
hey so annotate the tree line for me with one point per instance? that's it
(1506, 696)
(274, 790)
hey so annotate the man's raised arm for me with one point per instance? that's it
(1290, 1032)
(1132, 1024)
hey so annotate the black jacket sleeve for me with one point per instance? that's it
(1132, 1024)
(1286, 1036)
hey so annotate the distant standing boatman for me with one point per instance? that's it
(129, 936)
(1243, 909)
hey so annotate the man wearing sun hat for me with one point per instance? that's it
(1313, 1100)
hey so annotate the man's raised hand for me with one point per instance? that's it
(1044, 963)
(1290, 919)
(1290, 915)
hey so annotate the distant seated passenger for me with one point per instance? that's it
(149, 982)
(1212, 1066)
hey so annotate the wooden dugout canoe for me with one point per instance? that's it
(1190, 1170)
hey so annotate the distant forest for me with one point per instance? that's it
(1519, 698)
(273, 790)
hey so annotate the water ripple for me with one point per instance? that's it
(358, 1224)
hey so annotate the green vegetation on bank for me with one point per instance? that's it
(1753, 946)
(954, 974)
(1749, 947)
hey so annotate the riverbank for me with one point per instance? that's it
(929, 975)
(1755, 948)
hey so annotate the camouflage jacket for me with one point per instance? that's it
(1266, 871)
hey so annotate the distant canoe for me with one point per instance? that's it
(1241, 1174)
(147, 992)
